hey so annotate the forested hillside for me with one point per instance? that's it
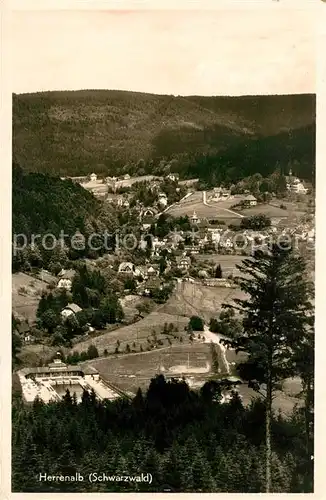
(74, 133)
(187, 441)
(45, 204)
(295, 149)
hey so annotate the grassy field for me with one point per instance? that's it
(137, 332)
(195, 299)
(26, 293)
(213, 211)
(35, 354)
(292, 209)
(227, 262)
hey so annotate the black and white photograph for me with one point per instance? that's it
(163, 248)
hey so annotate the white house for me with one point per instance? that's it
(215, 235)
(162, 200)
(153, 270)
(148, 213)
(173, 177)
(220, 194)
(93, 177)
(295, 185)
(122, 202)
(70, 310)
(226, 243)
(127, 268)
(184, 263)
(65, 279)
(299, 188)
(250, 201)
(194, 218)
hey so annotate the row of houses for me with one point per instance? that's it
(116, 181)
(128, 269)
(145, 212)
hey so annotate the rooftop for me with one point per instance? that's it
(73, 307)
(250, 197)
(67, 274)
(52, 367)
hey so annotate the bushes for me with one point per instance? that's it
(76, 357)
(227, 324)
(196, 323)
(255, 222)
(218, 272)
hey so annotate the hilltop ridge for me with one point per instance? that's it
(106, 131)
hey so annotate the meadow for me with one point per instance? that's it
(26, 293)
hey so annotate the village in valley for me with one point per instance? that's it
(156, 295)
(163, 201)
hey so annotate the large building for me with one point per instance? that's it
(50, 383)
(295, 185)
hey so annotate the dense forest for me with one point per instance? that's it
(45, 204)
(54, 209)
(115, 132)
(261, 155)
(187, 441)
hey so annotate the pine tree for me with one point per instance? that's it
(281, 475)
(152, 465)
(304, 367)
(202, 475)
(171, 470)
(140, 450)
(214, 354)
(256, 471)
(138, 401)
(276, 313)
(218, 272)
(67, 466)
(187, 479)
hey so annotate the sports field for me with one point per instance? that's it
(191, 361)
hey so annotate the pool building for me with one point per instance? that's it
(50, 383)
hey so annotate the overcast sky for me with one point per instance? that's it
(223, 52)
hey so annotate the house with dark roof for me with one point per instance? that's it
(127, 269)
(148, 286)
(69, 310)
(183, 263)
(23, 328)
(249, 201)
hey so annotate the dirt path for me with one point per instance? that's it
(215, 338)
